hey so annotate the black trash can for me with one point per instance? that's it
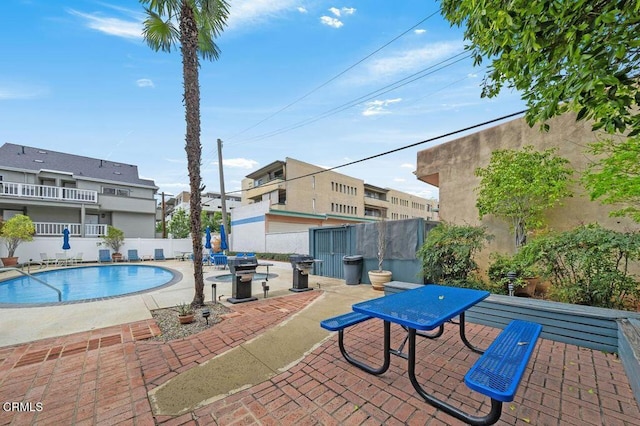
(353, 269)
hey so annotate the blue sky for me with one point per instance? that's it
(77, 77)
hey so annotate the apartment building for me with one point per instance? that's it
(292, 196)
(211, 202)
(296, 186)
(85, 195)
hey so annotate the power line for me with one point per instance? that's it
(435, 138)
(332, 78)
(386, 89)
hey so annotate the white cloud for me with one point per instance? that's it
(379, 107)
(249, 13)
(420, 31)
(472, 75)
(332, 22)
(412, 60)
(240, 163)
(18, 91)
(399, 180)
(408, 166)
(335, 22)
(144, 82)
(111, 26)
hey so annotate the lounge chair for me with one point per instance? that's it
(62, 259)
(104, 256)
(132, 255)
(219, 260)
(76, 259)
(159, 254)
(48, 260)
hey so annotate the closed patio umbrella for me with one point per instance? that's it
(65, 239)
(223, 239)
(207, 236)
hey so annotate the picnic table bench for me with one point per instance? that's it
(496, 374)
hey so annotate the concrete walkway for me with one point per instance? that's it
(259, 359)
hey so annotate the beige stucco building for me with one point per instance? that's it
(283, 199)
(296, 186)
(450, 166)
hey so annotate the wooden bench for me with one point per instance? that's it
(497, 373)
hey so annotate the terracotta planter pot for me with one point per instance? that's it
(379, 278)
(530, 289)
(116, 257)
(542, 288)
(9, 261)
(186, 319)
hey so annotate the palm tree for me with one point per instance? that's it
(199, 23)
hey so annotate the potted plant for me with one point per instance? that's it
(114, 239)
(13, 232)
(379, 277)
(526, 276)
(185, 313)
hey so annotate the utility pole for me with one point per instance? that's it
(222, 193)
(164, 217)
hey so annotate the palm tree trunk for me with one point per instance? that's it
(190, 69)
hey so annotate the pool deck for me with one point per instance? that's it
(92, 364)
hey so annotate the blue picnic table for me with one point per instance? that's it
(421, 311)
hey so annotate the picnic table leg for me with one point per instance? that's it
(360, 364)
(464, 339)
(398, 352)
(489, 419)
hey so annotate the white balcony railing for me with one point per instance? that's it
(44, 192)
(55, 229)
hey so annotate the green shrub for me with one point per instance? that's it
(447, 254)
(588, 265)
(279, 257)
(502, 264)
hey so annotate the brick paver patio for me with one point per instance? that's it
(103, 376)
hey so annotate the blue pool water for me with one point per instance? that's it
(84, 283)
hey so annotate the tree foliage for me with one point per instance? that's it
(616, 177)
(578, 55)
(16, 230)
(179, 225)
(199, 23)
(212, 220)
(518, 186)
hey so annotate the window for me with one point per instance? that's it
(120, 192)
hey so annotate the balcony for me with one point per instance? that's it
(47, 229)
(51, 193)
(265, 187)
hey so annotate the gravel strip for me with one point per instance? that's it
(167, 320)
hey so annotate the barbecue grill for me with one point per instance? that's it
(242, 271)
(301, 265)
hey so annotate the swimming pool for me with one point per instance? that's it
(84, 284)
